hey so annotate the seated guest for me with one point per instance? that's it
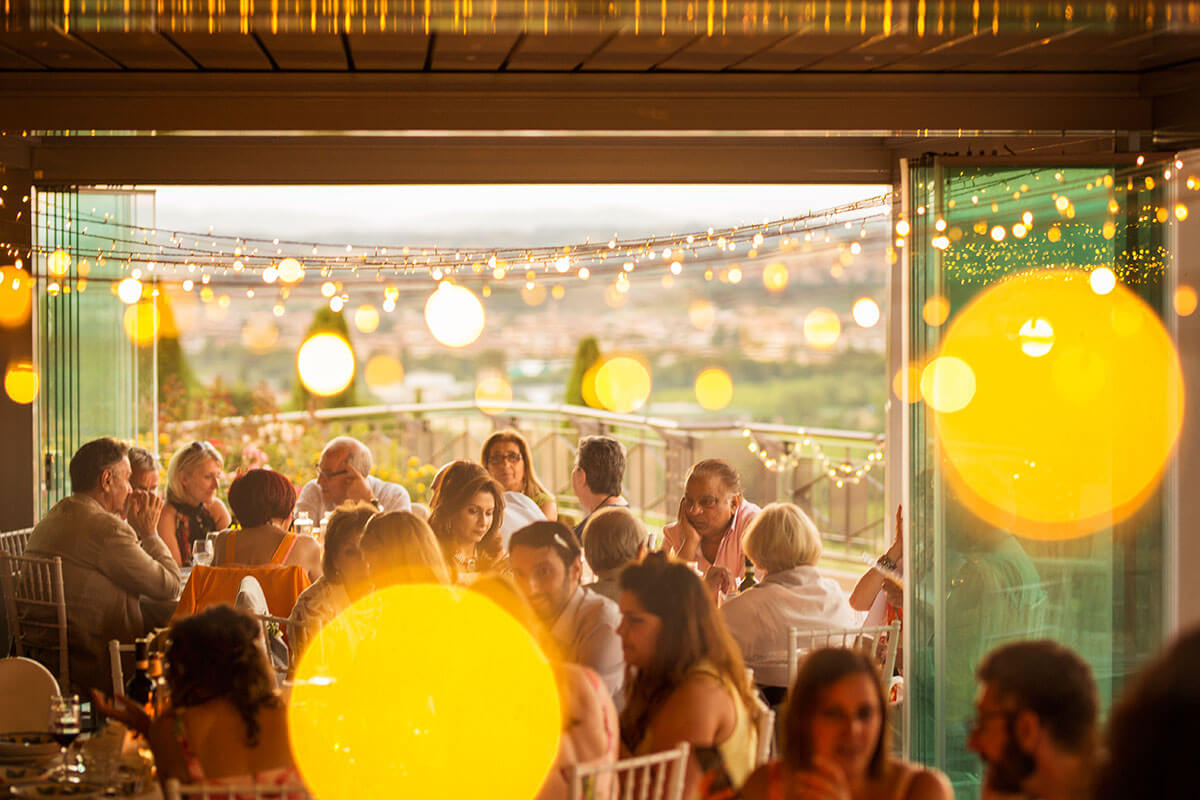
(835, 740)
(1154, 727)
(589, 719)
(145, 470)
(545, 560)
(344, 473)
(613, 538)
(343, 576)
(711, 521)
(506, 456)
(112, 557)
(687, 680)
(519, 511)
(399, 547)
(783, 545)
(216, 731)
(465, 515)
(193, 510)
(262, 502)
(1035, 722)
(881, 596)
(596, 478)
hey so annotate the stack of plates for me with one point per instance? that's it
(50, 790)
(21, 748)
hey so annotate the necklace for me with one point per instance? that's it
(465, 563)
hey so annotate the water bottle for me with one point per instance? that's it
(302, 525)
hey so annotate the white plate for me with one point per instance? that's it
(52, 790)
(26, 746)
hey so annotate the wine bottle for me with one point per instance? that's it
(140, 687)
(748, 581)
(158, 694)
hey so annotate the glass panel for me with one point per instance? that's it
(975, 581)
(87, 359)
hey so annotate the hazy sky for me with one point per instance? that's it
(494, 215)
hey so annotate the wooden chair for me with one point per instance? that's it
(766, 734)
(13, 543)
(36, 608)
(249, 791)
(863, 639)
(115, 649)
(658, 776)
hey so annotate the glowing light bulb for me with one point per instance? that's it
(290, 270)
(454, 315)
(129, 291)
(865, 312)
(326, 364)
(1103, 280)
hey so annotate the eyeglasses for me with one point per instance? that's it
(707, 502)
(323, 473)
(499, 458)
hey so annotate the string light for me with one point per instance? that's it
(794, 451)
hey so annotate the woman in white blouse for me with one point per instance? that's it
(784, 545)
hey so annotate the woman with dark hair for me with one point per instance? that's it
(685, 678)
(225, 723)
(507, 459)
(465, 515)
(344, 577)
(192, 510)
(262, 501)
(835, 740)
(713, 517)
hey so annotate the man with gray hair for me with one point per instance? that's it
(344, 473)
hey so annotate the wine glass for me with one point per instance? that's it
(64, 727)
(202, 552)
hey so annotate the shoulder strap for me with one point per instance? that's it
(284, 549)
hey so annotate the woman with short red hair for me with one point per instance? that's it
(262, 501)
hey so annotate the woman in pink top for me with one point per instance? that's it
(713, 517)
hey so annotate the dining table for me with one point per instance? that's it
(107, 763)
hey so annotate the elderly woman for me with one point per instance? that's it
(262, 501)
(465, 515)
(713, 517)
(143, 470)
(506, 456)
(215, 731)
(783, 545)
(192, 510)
(344, 576)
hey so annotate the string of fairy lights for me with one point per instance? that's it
(792, 453)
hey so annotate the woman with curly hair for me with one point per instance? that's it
(686, 680)
(224, 723)
(465, 515)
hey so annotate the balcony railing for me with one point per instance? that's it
(836, 476)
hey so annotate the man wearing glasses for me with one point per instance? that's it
(344, 473)
(1035, 722)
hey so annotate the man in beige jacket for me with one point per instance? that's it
(112, 557)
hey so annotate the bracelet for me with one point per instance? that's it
(886, 562)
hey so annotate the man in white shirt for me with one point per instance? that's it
(343, 473)
(546, 563)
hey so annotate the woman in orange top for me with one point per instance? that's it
(262, 501)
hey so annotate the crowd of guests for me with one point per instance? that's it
(650, 649)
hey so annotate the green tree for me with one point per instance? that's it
(326, 321)
(587, 354)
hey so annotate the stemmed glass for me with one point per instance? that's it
(64, 727)
(202, 552)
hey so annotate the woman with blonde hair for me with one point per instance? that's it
(783, 545)
(192, 510)
(399, 547)
(465, 515)
(507, 458)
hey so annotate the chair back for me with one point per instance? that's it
(766, 733)
(279, 652)
(36, 608)
(13, 543)
(115, 650)
(211, 586)
(251, 597)
(658, 776)
(879, 642)
(26, 687)
(248, 791)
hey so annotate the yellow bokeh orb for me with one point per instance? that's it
(701, 314)
(822, 328)
(259, 336)
(535, 295)
(1073, 440)
(21, 382)
(16, 296)
(614, 297)
(58, 263)
(935, 311)
(775, 276)
(129, 290)
(383, 371)
(431, 679)
(141, 322)
(1184, 301)
(290, 270)
(906, 383)
(493, 393)
(714, 389)
(622, 384)
(326, 364)
(454, 315)
(588, 385)
(865, 312)
(366, 318)
(947, 384)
